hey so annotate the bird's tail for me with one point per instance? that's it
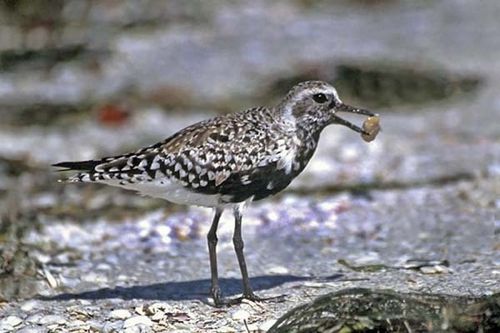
(86, 168)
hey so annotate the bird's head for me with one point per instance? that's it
(317, 104)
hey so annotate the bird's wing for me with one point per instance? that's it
(229, 149)
(210, 156)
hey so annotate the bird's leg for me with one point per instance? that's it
(238, 247)
(212, 245)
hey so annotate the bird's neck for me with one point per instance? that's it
(306, 130)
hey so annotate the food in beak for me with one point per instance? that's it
(371, 127)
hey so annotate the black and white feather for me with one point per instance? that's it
(227, 159)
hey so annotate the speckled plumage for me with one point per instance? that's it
(231, 156)
(230, 159)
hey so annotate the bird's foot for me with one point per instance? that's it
(250, 295)
(219, 301)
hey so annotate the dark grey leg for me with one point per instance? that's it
(212, 245)
(238, 247)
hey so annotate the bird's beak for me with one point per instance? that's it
(347, 108)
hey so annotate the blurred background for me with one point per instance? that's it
(81, 79)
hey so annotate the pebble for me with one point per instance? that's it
(160, 306)
(12, 321)
(180, 328)
(158, 316)
(94, 277)
(226, 329)
(35, 318)
(278, 270)
(69, 282)
(137, 320)
(262, 327)
(436, 269)
(251, 328)
(50, 278)
(120, 314)
(52, 319)
(32, 329)
(76, 323)
(133, 329)
(265, 326)
(313, 284)
(103, 267)
(112, 327)
(240, 315)
(30, 305)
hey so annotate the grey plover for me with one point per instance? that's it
(230, 160)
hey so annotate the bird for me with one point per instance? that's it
(228, 161)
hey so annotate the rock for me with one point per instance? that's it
(314, 284)
(30, 305)
(5, 328)
(177, 328)
(278, 270)
(241, 315)
(12, 321)
(68, 282)
(76, 323)
(112, 326)
(436, 269)
(226, 329)
(251, 328)
(95, 325)
(133, 329)
(381, 310)
(265, 326)
(32, 329)
(157, 310)
(137, 320)
(156, 307)
(34, 318)
(51, 280)
(158, 316)
(52, 319)
(94, 277)
(121, 314)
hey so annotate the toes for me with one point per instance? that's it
(255, 298)
(217, 297)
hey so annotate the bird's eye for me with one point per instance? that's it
(320, 98)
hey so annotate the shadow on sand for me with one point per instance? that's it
(185, 290)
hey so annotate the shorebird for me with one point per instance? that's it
(228, 161)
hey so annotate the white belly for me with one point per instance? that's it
(170, 191)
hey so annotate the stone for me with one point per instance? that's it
(30, 305)
(32, 329)
(121, 314)
(251, 328)
(52, 319)
(436, 269)
(112, 326)
(278, 270)
(12, 321)
(133, 329)
(137, 320)
(51, 280)
(158, 316)
(240, 315)
(34, 318)
(265, 326)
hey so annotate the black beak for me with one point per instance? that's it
(350, 109)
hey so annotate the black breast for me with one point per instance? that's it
(264, 181)
(267, 181)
